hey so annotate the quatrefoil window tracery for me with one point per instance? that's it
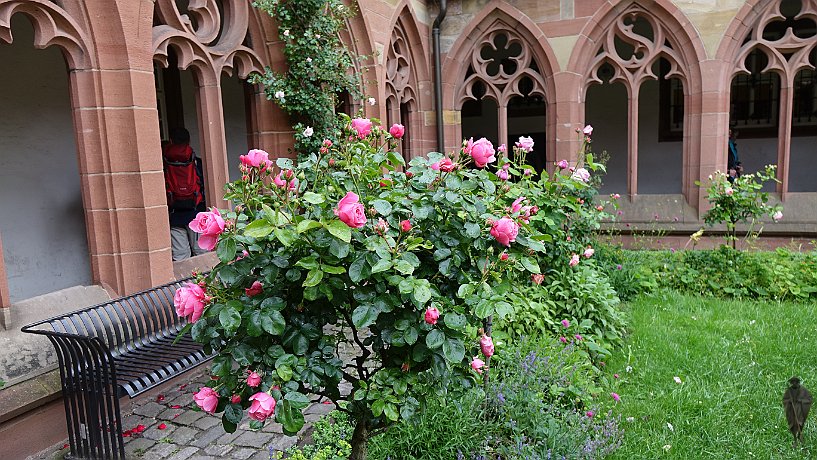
(502, 67)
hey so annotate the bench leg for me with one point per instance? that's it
(91, 401)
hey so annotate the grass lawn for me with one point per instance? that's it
(734, 359)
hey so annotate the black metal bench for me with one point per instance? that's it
(117, 348)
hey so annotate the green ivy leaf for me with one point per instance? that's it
(435, 339)
(259, 228)
(340, 230)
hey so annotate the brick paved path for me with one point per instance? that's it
(193, 435)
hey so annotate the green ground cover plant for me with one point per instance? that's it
(703, 378)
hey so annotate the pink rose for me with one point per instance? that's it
(255, 158)
(279, 180)
(381, 226)
(502, 174)
(588, 253)
(255, 289)
(574, 260)
(235, 399)
(505, 231)
(563, 164)
(581, 174)
(253, 379)
(525, 144)
(516, 206)
(405, 225)
(502, 148)
(729, 191)
(444, 165)
(397, 131)
(482, 151)
(578, 337)
(565, 323)
(209, 225)
(189, 301)
(477, 364)
(207, 399)
(777, 216)
(587, 130)
(432, 315)
(486, 344)
(537, 278)
(263, 405)
(350, 211)
(363, 127)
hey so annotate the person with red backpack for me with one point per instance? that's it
(184, 184)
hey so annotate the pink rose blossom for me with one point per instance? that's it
(486, 344)
(505, 230)
(502, 174)
(362, 126)
(502, 148)
(525, 144)
(588, 130)
(581, 174)
(255, 158)
(563, 164)
(432, 315)
(516, 206)
(381, 226)
(444, 165)
(189, 300)
(578, 337)
(253, 379)
(235, 399)
(588, 253)
(209, 225)
(574, 260)
(565, 323)
(537, 278)
(482, 151)
(777, 216)
(207, 399)
(255, 289)
(263, 405)
(350, 211)
(405, 225)
(729, 191)
(477, 364)
(397, 131)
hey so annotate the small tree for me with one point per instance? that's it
(740, 200)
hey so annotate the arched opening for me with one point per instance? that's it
(234, 95)
(660, 133)
(606, 111)
(804, 129)
(527, 117)
(480, 119)
(45, 242)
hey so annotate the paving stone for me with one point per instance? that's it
(204, 457)
(228, 438)
(283, 442)
(184, 454)
(208, 437)
(188, 417)
(252, 439)
(160, 451)
(218, 450)
(139, 445)
(245, 453)
(320, 408)
(261, 455)
(272, 428)
(156, 434)
(149, 409)
(183, 435)
(207, 422)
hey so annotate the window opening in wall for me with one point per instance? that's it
(405, 120)
(671, 105)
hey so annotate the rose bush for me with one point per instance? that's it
(373, 272)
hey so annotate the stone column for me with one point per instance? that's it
(210, 115)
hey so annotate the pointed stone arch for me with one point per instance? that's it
(786, 56)
(406, 86)
(464, 66)
(672, 38)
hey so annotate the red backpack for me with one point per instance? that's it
(182, 181)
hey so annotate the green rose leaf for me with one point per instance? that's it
(381, 266)
(453, 350)
(259, 228)
(273, 322)
(340, 230)
(422, 292)
(314, 198)
(291, 419)
(383, 207)
(226, 250)
(531, 265)
(359, 270)
(435, 339)
(307, 224)
(286, 236)
(391, 412)
(313, 278)
(230, 319)
(233, 413)
(297, 400)
(364, 315)
(403, 267)
(454, 321)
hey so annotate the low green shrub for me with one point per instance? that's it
(330, 440)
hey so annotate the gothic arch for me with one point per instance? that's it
(675, 41)
(52, 26)
(499, 18)
(786, 56)
(406, 82)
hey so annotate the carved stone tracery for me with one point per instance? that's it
(400, 78)
(52, 26)
(500, 62)
(210, 35)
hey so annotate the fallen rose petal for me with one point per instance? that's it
(160, 398)
(162, 426)
(176, 406)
